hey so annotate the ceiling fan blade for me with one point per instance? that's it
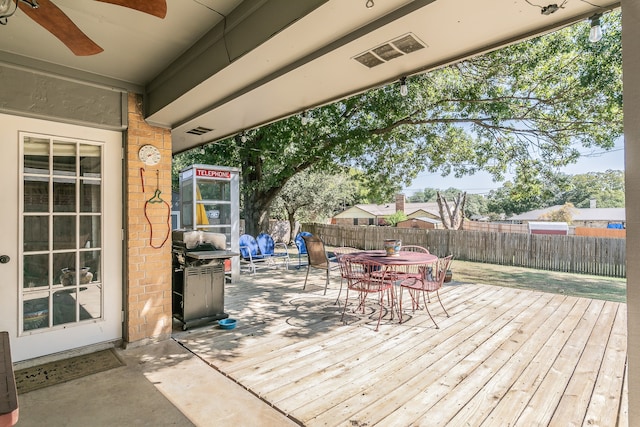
(50, 17)
(152, 7)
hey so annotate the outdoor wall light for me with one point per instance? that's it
(404, 90)
(595, 33)
(369, 4)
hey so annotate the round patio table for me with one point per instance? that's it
(404, 265)
(402, 259)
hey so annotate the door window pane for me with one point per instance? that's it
(36, 156)
(90, 236)
(36, 271)
(64, 195)
(64, 158)
(36, 194)
(36, 313)
(91, 262)
(64, 307)
(64, 268)
(36, 233)
(90, 302)
(64, 232)
(90, 161)
(90, 192)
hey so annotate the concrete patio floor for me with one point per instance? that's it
(162, 384)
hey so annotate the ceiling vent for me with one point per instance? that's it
(385, 52)
(199, 130)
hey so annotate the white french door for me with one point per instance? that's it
(61, 274)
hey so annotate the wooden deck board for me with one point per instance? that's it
(508, 410)
(415, 353)
(478, 404)
(576, 397)
(503, 357)
(605, 406)
(547, 398)
(447, 375)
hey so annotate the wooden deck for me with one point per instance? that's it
(505, 357)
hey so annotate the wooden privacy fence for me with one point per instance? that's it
(572, 254)
(496, 227)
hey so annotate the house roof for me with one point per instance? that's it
(580, 214)
(390, 208)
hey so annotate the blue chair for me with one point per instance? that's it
(267, 247)
(250, 253)
(302, 247)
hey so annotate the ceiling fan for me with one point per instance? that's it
(54, 20)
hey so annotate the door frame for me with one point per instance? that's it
(109, 328)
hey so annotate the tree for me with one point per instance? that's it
(475, 204)
(526, 105)
(452, 218)
(426, 195)
(311, 196)
(393, 219)
(605, 188)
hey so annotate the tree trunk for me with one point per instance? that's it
(257, 199)
(452, 220)
(291, 216)
(442, 204)
(256, 215)
(462, 216)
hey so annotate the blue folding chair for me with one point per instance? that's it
(267, 247)
(302, 247)
(250, 253)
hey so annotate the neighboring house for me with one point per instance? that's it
(369, 214)
(582, 217)
(421, 223)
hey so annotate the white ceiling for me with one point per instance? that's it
(303, 63)
(137, 46)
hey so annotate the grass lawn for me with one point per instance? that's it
(581, 285)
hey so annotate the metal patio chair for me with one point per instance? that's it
(268, 246)
(250, 255)
(366, 277)
(429, 279)
(339, 253)
(317, 258)
(302, 248)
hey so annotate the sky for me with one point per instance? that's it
(592, 160)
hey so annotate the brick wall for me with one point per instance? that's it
(148, 277)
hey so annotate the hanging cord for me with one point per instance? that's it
(142, 178)
(156, 198)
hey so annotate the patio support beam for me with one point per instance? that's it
(631, 73)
